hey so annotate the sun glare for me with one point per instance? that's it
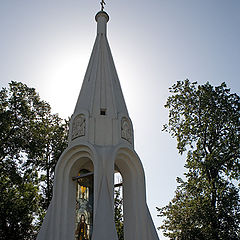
(65, 76)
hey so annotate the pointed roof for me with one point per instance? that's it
(101, 88)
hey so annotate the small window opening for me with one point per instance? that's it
(103, 111)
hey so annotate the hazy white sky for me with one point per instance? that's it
(47, 44)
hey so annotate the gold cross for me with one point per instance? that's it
(102, 5)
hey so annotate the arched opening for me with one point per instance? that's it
(132, 173)
(84, 202)
(118, 203)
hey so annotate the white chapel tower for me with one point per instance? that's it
(101, 142)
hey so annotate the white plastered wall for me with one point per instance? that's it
(59, 222)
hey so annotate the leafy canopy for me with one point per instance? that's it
(205, 120)
(31, 141)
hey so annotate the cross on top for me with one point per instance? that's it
(102, 5)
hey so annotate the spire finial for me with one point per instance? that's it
(102, 5)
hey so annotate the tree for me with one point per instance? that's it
(118, 209)
(31, 141)
(206, 122)
(18, 203)
(51, 132)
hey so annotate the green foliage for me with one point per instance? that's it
(18, 202)
(118, 209)
(51, 134)
(31, 141)
(206, 123)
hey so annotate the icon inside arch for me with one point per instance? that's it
(84, 205)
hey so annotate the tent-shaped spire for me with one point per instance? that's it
(101, 115)
(101, 89)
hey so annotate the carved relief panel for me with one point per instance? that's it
(79, 126)
(126, 130)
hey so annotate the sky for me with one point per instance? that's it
(47, 44)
